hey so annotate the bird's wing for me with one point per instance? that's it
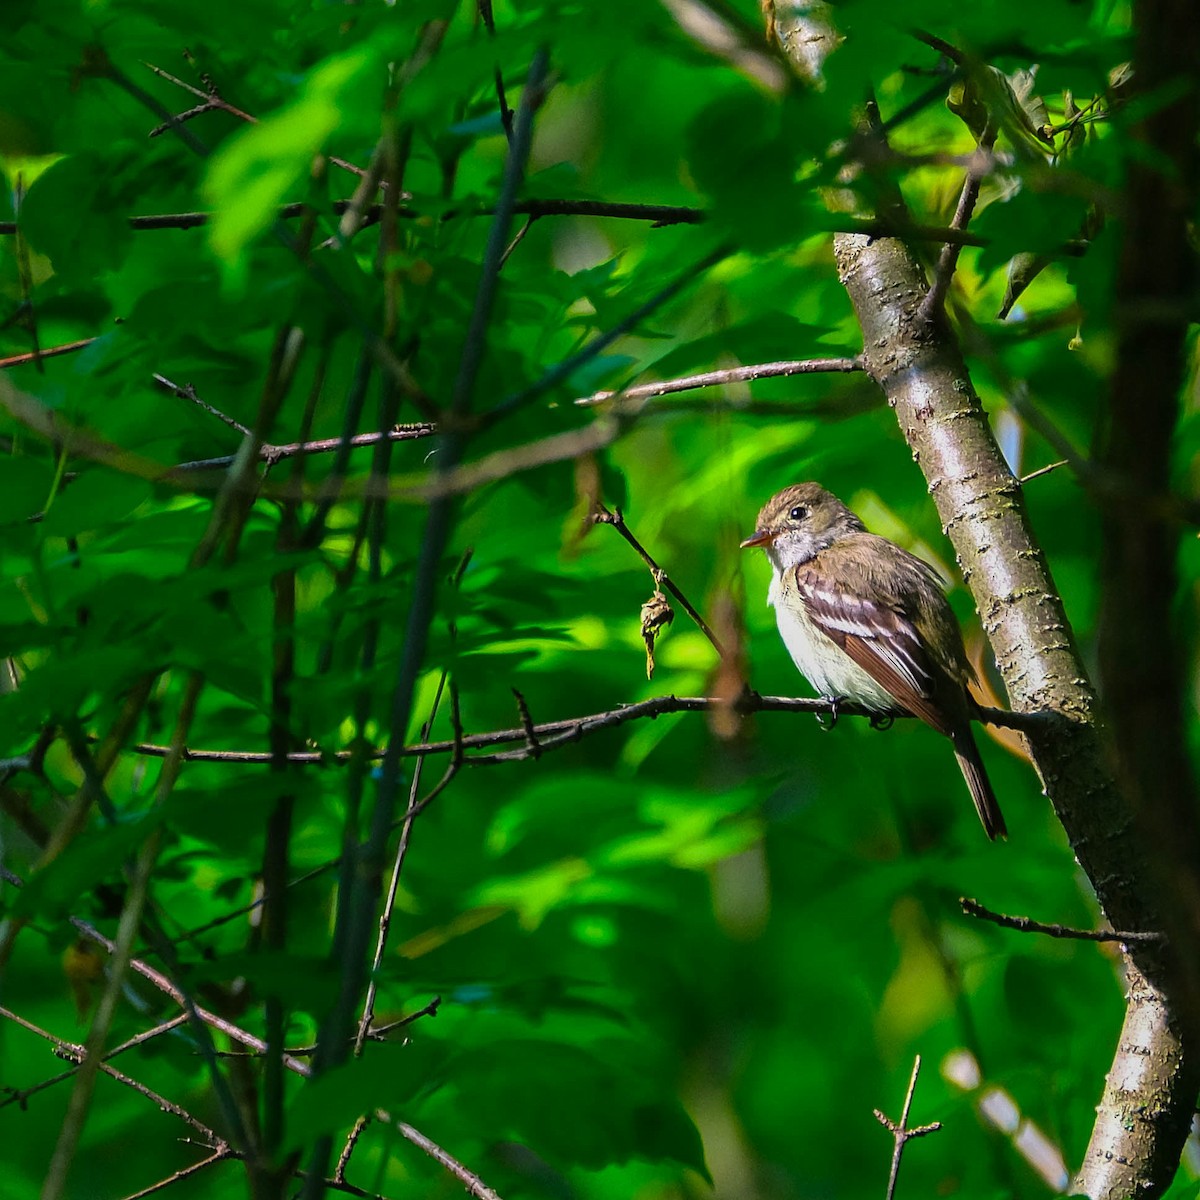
(875, 630)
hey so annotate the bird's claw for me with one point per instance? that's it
(881, 720)
(835, 711)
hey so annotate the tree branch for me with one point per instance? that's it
(603, 516)
(722, 378)
(921, 372)
(900, 1130)
(1026, 925)
(293, 1064)
(556, 733)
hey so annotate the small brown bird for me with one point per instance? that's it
(868, 622)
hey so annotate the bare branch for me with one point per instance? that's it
(474, 1185)
(243, 1037)
(1027, 925)
(226, 1152)
(271, 453)
(661, 215)
(343, 1162)
(901, 1133)
(574, 728)
(604, 516)
(935, 298)
(18, 360)
(722, 378)
(77, 1054)
(21, 1096)
(187, 392)
(1054, 466)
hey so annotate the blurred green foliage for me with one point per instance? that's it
(666, 952)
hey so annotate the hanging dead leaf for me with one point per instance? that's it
(657, 614)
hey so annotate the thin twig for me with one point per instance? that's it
(568, 366)
(771, 370)
(226, 1152)
(186, 391)
(615, 518)
(1062, 462)
(389, 903)
(18, 360)
(901, 1133)
(78, 1054)
(578, 727)
(474, 1185)
(343, 1162)
(943, 273)
(380, 1032)
(518, 238)
(531, 738)
(21, 1096)
(212, 99)
(221, 1156)
(452, 767)
(211, 96)
(164, 985)
(1027, 925)
(271, 453)
(661, 215)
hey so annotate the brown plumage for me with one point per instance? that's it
(866, 621)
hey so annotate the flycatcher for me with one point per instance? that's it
(868, 622)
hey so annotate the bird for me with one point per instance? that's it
(868, 622)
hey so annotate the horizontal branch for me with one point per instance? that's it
(973, 908)
(558, 733)
(19, 360)
(660, 215)
(771, 370)
(275, 453)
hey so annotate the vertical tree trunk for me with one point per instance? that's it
(1151, 1087)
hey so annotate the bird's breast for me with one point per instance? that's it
(826, 666)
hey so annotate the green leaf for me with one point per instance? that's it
(254, 172)
(95, 855)
(738, 157)
(573, 1106)
(94, 499)
(387, 1076)
(24, 488)
(76, 212)
(305, 983)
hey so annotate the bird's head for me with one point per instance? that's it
(800, 522)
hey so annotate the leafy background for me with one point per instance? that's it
(684, 949)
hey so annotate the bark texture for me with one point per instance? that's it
(1140, 660)
(1149, 1091)
(1146, 1112)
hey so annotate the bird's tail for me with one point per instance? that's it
(971, 765)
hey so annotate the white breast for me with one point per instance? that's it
(827, 667)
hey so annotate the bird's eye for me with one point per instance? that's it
(799, 512)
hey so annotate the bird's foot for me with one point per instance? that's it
(881, 720)
(827, 722)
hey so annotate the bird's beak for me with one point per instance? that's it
(760, 537)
